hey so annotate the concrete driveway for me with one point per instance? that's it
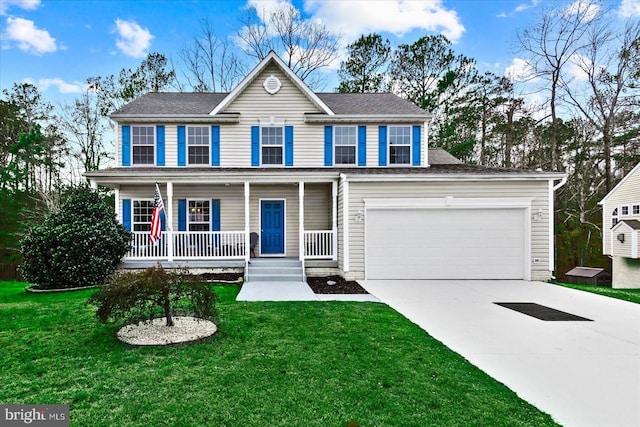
(582, 373)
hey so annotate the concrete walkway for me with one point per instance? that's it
(292, 291)
(582, 373)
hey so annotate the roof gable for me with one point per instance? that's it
(635, 170)
(271, 58)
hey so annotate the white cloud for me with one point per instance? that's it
(520, 8)
(629, 9)
(575, 68)
(520, 70)
(133, 40)
(63, 87)
(357, 17)
(589, 10)
(21, 4)
(28, 37)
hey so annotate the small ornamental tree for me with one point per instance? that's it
(79, 245)
(155, 292)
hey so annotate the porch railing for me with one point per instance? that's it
(318, 244)
(190, 245)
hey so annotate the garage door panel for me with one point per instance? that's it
(445, 244)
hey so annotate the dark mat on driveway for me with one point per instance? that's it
(542, 312)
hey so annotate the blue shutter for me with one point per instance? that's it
(382, 146)
(255, 145)
(215, 145)
(160, 145)
(288, 145)
(126, 214)
(415, 150)
(215, 215)
(362, 146)
(126, 145)
(328, 145)
(182, 215)
(182, 146)
(163, 221)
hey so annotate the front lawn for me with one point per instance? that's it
(631, 295)
(288, 364)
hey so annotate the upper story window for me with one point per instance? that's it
(272, 145)
(199, 215)
(142, 210)
(614, 217)
(399, 145)
(143, 144)
(635, 210)
(198, 143)
(624, 210)
(345, 145)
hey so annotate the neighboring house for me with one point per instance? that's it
(342, 182)
(621, 230)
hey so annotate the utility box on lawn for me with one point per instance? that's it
(588, 276)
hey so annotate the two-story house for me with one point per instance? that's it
(621, 230)
(344, 183)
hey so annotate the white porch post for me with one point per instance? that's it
(94, 184)
(301, 220)
(334, 219)
(116, 195)
(169, 212)
(345, 221)
(247, 223)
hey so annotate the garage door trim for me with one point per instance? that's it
(444, 203)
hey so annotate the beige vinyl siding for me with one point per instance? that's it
(289, 104)
(317, 206)
(538, 190)
(623, 249)
(628, 194)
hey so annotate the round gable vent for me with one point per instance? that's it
(272, 84)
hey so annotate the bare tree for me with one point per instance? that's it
(306, 46)
(550, 44)
(609, 62)
(210, 63)
(85, 125)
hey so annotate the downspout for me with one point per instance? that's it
(552, 220)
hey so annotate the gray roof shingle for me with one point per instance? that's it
(191, 103)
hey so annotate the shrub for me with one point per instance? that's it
(79, 245)
(155, 292)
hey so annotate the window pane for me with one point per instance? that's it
(399, 135)
(345, 135)
(198, 135)
(399, 155)
(199, 215)
(272, 136)
(625, 210)
(271, 155)
(636, 209)
(199, 155)
(143, 155)
(346, 155)
(142, 210)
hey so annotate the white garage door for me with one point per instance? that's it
(445, 244)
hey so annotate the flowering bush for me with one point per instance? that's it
(79, 245)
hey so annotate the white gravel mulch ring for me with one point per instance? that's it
(155, 332)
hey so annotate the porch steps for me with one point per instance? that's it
(275, 270)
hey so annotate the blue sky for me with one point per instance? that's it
(57, 44)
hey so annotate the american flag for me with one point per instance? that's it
(156, 228)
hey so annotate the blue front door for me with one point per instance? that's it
(272, 226)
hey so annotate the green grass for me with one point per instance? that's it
(270, 364)
(631, 295)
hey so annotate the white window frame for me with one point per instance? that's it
(207, 145)
(390, 145)
(624, 210)
(635, 209)
(263, 145)
(206, 204)
(615, 217)
(336, 144)
(133, 144)
(146, 225)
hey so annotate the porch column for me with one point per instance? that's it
(301, 220)
(345, 222)
(334, 220)
(116, 195)
(94, 184)
(247, 223)
(169, 216)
